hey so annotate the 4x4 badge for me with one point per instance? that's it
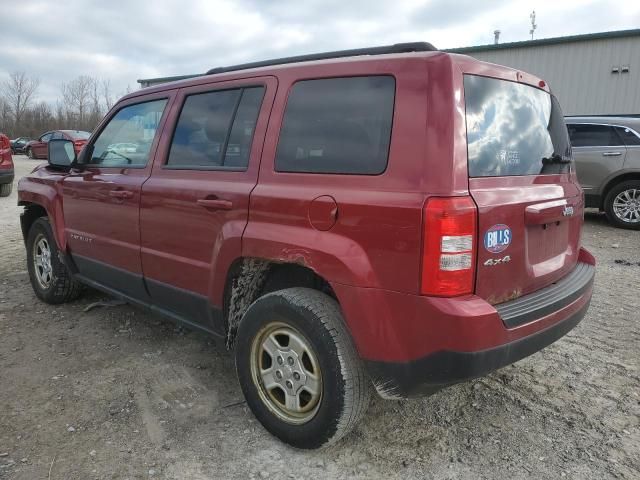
(497, 261)
(568, 211)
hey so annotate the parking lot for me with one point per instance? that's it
(115, 392)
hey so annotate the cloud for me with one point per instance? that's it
(123, 40)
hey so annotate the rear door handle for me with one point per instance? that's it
(122, 194)
(611, 154)
(215, 204)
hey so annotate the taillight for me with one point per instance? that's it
(449, 246)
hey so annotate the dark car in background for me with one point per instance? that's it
(607, 158)
(38, 148)
(6, 166)
(18, 144)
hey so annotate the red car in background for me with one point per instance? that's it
(6, 166)
(38, 148)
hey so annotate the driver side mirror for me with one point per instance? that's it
(61, 153)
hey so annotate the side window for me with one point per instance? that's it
(241, 135)
(337, 125)
(592, 136)
(57, 136)
(627, 136)
(46, 137)
(126, 140)
(215, 129)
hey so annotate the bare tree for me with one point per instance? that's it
(19, 91)
(76, 98)
(81, 105)
(5, 116)
(97, 109)
(106, 94)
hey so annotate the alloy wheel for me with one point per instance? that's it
(42, 262)
(286, 372)
(626, 206)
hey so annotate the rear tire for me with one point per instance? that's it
(5, 189)
(271, 335)
(622, 205)
(51, 280)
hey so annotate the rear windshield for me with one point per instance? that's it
(513, 129)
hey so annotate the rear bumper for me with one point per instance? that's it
(436, 371)
(6, 175)
(440, 342)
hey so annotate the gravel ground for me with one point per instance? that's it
(119, 393)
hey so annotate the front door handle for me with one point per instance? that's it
(215, 204)
(121, 194)
(611, 154)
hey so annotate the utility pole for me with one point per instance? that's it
(532, 16)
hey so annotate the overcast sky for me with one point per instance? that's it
(124, 40)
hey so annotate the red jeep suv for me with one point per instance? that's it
(395, 217)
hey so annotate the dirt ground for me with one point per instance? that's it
(116, 393)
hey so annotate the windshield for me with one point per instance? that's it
(513, 129)
(79, 135)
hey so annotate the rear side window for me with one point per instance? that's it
(593, 136)
(241, 136)
(215, 129)
(337, 125)
(513, 129)
(627, 136)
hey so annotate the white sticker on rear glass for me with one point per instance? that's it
(508, 157)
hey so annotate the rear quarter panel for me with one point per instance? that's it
(632, 160)
(376, 240)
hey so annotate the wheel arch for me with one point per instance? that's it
(612, 182)
(33, 211)
(249, 278)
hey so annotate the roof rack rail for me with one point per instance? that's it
(396, 48)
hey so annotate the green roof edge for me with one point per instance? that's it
(547, 41)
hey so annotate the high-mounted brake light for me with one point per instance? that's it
(449, 246)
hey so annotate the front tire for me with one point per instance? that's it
(5, 189)
(298, 368)
(51, 280)
(30, 153)
(622, 205)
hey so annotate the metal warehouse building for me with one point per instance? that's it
(592, 74)
(597, 73)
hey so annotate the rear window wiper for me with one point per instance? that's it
(555, 158)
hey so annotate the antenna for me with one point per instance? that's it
(496, 36)
(532, 16)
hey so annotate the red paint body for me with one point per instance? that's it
(39, 147)
(362, 234)
(6, 160)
